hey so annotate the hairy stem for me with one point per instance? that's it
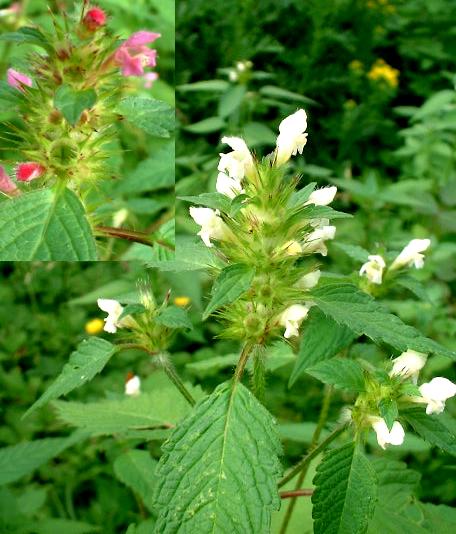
(296, 493)
(313, 445)
(245, 354)
(259, 372)
(131, 235)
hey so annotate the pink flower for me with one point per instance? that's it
(94, 19)
(149, 79)
(26, 172)
(133, 55)
(17, 79)
(7, 186)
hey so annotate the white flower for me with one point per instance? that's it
(315, 241)
(291, 138)
(310, 280)
(409, 363)
(228, 186)
(411, 254)
(436, 392)
(133, 386)
(323, 196)
(395, 436)
(292, 248)
(291, 318)
(119, 217)
(237, 163)
(373, 269)
(211, 224)
(114, 310)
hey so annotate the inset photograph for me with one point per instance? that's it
(86, 130)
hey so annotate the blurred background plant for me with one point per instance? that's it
(377, 79)
(138, 193)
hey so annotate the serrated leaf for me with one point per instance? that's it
(174, 317)
(85, 362)
(414, 286)
(339, 372)
(153, 116)
(322, 212)
(349, 306)
(19, 460)
(71, 103)
(136, 469)
(26, 35)
(216, 201)
(345, 493)
(45, 225)
(229, 285)
(438, 430)
(321, 339)
(219, 469)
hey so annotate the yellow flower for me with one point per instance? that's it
(381, 71)
(94, 326)
(182, 301)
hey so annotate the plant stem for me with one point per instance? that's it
(312, 454)
(131, 235)
(246, 351)
(175, 379)
(312, 448)
(259, 372)
(296, 493)
(168, 368)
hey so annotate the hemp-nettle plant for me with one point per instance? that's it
(69, 99)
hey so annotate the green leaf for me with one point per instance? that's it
(321, 339)
(212, 124)
(355, 252)
(345, 493)
(341, 373)
(136, 469)
(85, 362)
(389, 412)
(163, 406)
(57, 526)
(231, 100)
(205, 85)
(349, 306)
(191, 257)
(9, 96)
(72, 103)
(299, 197)
(230, 284)
(277, 92)
(216, 201)
(19, 460)
(414, 286)
(45, 225)
(26, 35)
(153, 116)
(438, 430)
(174, 317)
(219, 469)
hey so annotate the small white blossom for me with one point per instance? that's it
(291, 319)
(373, 269)
(237, 163)
(436, 392)
(212, 226)
(119, 217)
(395, 436)
(409, 364)
(231, 187)
(310, 280)
(323, 196)
(114, 310)
(291, 138)
(133, 386)
(315, 242)
(411, 254)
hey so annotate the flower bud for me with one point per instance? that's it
(7, 186)
(94, 18)
(408, 364)
(323, 196)
(26, 172)
(373, 269)
(133, 386)
(18, 79)
(310, 280)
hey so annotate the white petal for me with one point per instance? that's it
(438, 389)
(322, 197)
(309, 280)
(228, 186)
(409, 363)
(133, 386)
(411, 254)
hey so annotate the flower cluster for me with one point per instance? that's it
(402, 389)
(411, 255)
(382, 72)
(261, 222)
(87, 66)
